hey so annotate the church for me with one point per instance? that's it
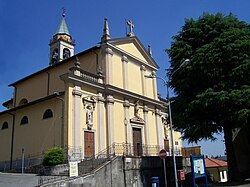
(94, 102)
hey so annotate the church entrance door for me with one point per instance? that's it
(137, 142)
(89, 144)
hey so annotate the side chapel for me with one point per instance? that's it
(88, 103)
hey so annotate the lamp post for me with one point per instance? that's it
(166, 84)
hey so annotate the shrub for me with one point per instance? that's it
(54, 156)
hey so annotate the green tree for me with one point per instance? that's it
(54, 156)
(212, 91)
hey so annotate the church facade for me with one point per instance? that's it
(97, 101)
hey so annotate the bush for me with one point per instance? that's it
(54, 156)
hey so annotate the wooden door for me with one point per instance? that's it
(89, 144)
(137, 142)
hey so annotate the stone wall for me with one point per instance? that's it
(125, 172)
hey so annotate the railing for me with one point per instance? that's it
(28, 162)
(49, 179)
(73, 153)
(88, 76)
(138, 150)
(88, 165)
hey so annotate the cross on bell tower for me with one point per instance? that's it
(62, 45)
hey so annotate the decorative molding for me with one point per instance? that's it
(110, 99)
(153, 73)
(136, 109)
(124, 58)
(100, 99)
(89, 100)
(77, 92)
(89, 116)
(109, 89)
(157, 112)
(108, 51)
(126, 104)
(145, 108)
(138, 120)
(143, 68)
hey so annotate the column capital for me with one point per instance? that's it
(126, 104)
(110, 99)
(157, 111)
(77, 93)
(124, 58)
(100, 99)
(145, 108)
(108, 51)
(143, 68)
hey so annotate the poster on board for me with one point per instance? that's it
(198, 169)
(73, 169)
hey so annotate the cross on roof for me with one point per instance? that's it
(131, 26)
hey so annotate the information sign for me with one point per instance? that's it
(73, 169)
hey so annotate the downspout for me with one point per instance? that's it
(48, 83)
(12, 139)
(124, 170)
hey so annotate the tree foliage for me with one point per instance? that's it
(213, 90)
(54, 156)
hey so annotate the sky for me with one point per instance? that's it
(27, 26)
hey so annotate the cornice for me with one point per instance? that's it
(109, 89)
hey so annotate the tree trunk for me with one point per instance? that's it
(233, 170)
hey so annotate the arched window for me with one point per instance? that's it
(5, 125)
(66, 53)
(24, 120)
(48, 114)
(54, 56)
(23, 102)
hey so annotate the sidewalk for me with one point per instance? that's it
(235, 184)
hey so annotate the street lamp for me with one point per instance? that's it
(166, 83)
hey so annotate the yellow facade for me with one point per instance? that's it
(100, 98)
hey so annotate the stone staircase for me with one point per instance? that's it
(87, 166)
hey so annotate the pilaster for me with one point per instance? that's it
(128, 132)
(110, 119)
(143, 69)
(125, 71)
(154, 86)
(101, 129)
(146, 127)
(76, 119)
(107, 57)
(159, 127)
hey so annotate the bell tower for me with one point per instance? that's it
(62, 45)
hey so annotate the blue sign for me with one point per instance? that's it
(198, 169)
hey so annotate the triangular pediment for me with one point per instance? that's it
(137, 119)
(135, 48)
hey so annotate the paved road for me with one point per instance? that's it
(18, 180)
(230, 185)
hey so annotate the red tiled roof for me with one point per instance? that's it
(211, 162)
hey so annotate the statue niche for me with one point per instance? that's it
(89, 117)
(165, 124)
(137, 118)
